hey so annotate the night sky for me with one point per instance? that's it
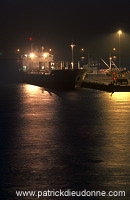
(56, 23)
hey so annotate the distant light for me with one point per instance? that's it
(82, 49)
(114, 57)
(119, 32)
(45, 55)
(114, 49)
(30, 38)
(32, 55)
(18, 50)
(50, 49)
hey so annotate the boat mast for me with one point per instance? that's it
(105, 63)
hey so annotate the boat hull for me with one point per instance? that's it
(58, 79)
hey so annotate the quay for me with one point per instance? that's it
(105, 86)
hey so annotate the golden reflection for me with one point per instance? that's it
(38, 116)
(115, 124)
(121, 96)
(33, 90)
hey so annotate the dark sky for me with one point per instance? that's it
(56, 23)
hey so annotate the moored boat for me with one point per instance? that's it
(38, 68)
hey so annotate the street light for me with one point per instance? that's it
(72, 46)
(85, 50)
(119, 33)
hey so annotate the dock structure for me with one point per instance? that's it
(108, 87)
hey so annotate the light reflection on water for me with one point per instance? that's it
(54, 140)
(116, 118)
(121, 96)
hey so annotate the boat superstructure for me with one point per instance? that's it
(38, 68)
(37, 61)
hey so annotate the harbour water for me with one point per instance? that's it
(52, 140)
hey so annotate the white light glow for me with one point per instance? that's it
(32, 55)
(45, 55)
(120, 32)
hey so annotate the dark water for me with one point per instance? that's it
(63, 140)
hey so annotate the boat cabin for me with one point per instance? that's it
(37, 61)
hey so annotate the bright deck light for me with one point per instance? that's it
(45, 55)
(32, 55)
